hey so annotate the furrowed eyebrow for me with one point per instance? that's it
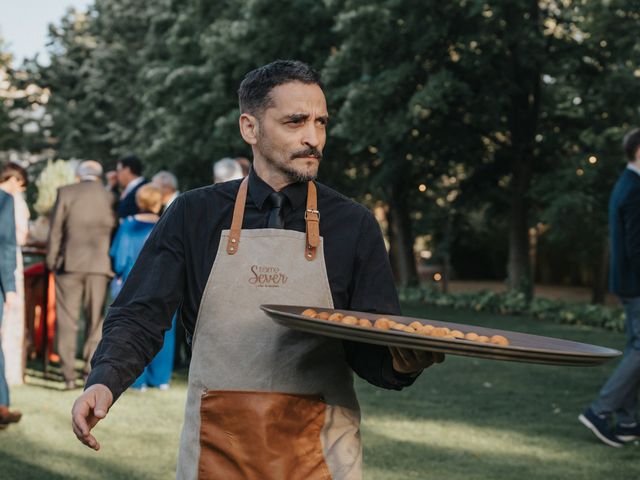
(299, 117)
(296, 117)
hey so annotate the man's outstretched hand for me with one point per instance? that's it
(408, 360)
(88, 409)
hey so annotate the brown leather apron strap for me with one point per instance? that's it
(238, 215)
(311, 217)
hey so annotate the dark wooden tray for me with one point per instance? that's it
(523, 347)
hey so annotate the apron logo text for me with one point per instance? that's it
(264, 276)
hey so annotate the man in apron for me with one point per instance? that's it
(264, 402)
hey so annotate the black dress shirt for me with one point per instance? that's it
(173, 267)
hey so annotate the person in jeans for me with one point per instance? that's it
(13, 179)
(613, 416)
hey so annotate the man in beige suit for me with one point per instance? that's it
(78, 252)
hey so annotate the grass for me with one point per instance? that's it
(465, 419)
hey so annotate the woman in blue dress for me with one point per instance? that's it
(128, 242)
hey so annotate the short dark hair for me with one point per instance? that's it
(16, 171)
(132, 162)
(254, 92)
(631, 144)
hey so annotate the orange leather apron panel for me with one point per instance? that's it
(245, 434)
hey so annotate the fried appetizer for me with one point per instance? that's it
(382, 323)
(499, 340)
(349, 320)
(365, 322)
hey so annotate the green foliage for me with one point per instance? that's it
(469, 119)
(516, 303)
(20, 110)
(596, 95)
(55, 175)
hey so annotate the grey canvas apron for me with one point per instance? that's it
(266, 402)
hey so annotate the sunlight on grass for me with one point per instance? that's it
(139, 437)
(466, 419)
(465, 438)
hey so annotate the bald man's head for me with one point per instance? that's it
(89, 170)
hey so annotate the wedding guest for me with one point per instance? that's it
(13, 325)
(128, 242)
(13, 179)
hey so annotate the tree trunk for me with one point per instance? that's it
(403, 262)
(523, 123)
(518, 267)
(599, 287)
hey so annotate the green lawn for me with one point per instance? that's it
(465, 419)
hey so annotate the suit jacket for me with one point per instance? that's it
(127, 205)
(624, 230)
(7, 245)
(81, 228)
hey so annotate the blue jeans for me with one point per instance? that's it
(619, 395)
(4, 388)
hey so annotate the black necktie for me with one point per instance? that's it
(276, 219)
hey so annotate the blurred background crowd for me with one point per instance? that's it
(78, 256)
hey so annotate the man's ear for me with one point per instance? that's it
(249, 128)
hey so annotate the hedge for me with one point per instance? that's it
(514, 303)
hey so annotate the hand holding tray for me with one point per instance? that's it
(521, 347)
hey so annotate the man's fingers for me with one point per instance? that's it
(438, 357)
(395, 357)
(86, 438)
(407, 360)
(102, 406)
(80, 414)
(398, 356)
(88, 409)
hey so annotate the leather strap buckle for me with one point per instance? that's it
(310, 211)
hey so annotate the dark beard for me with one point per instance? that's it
(296, 177)
(292, 175)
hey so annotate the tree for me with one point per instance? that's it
(596, 98)
(23, 134)
(399, 101)
(463, 117)
(72, 111)
(8, 135)
(197, 53)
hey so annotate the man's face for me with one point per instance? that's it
(123, 174)
(293, 130)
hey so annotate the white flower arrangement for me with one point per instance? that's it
(56, 174)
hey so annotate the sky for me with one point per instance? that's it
(23, 24)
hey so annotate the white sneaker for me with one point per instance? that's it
(163, 387)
